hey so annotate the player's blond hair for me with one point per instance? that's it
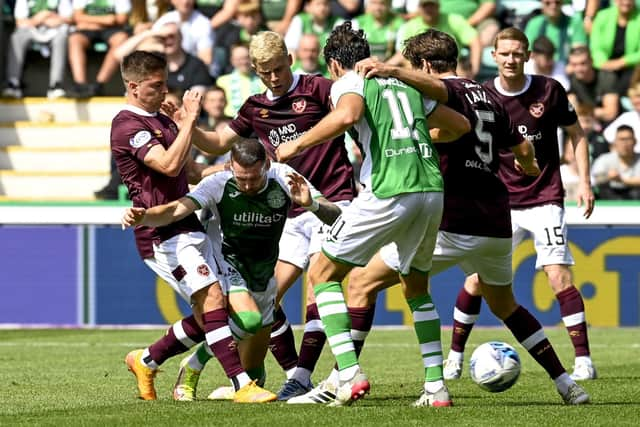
(265, 46)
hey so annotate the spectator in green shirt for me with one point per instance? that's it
(480, 14)
(429, 16)
(615, 41)
(381, 26)
(564, 32)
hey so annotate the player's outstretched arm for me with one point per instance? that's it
(325, 210)
(213, 142)
(349, 109)
(580, 145)
(430, 86)
(160, 215)
(526, 161)
(446, 124)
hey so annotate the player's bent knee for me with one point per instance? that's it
(249, 322)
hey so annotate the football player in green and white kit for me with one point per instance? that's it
(249, 204)
(401, 201)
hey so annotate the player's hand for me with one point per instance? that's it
(191, 103)
(585, 198)
(173, 111)
(531, 170)
(132, 217)
(373, 67)
(299, 188)
(287, 151)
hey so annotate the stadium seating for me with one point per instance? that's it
(55, 150)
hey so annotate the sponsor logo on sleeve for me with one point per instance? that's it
(140, 138)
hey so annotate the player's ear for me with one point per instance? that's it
(290, 59)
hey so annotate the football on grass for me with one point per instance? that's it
(495, 366)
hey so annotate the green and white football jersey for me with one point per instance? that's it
(251, 225)
(398, 156)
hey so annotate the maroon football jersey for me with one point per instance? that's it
(536, 111)
(476, 201)
(133, 133)
(278, 120)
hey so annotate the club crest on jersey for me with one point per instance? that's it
(203, 270)
(299, 105)
(140, 138)
(264, 113)
(275, 199)
(536, 109)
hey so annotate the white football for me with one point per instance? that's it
(495, 366)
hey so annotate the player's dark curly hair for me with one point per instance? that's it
(347, 46)
(248, 152)
(436, 47)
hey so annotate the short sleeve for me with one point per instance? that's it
(429, 105)
(279, 172)
(349, 83)
(243, 123)
(209, 191)
(566, 113)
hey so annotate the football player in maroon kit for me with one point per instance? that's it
(475, 232)
(152, 155)
(537, 106)
(292, 104)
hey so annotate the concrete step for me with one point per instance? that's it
(55, 159)
(42, 134)
(51, 185)
(99, 109)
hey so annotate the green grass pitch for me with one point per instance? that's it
(78, 377)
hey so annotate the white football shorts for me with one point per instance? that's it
(409, 220)
(302, 237)
(490, 257)
(186, 262)
(548, 228)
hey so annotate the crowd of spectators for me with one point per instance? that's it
(592, 47)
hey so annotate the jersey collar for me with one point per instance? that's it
(294, 83)
(139, 111)
(505, 92)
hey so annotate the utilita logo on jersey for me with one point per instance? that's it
(284, 133)
(256, 219)
(532, 138)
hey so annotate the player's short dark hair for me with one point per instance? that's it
(346, 46)
(436, 47)
(139, 64)
(248, 152)
(511, 33)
